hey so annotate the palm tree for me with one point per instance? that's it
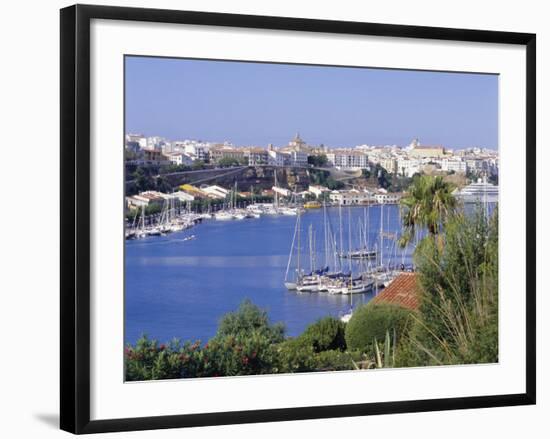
(428, 202)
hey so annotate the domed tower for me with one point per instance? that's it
(297, 142)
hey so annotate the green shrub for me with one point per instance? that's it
(371, 321)
(249, 319)
(231, 356)
(333, 360)
(294, 355)
(149, 360)
(325, 334)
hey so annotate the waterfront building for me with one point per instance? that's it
(342, 159)
(182, 196)
(387, 198)
(353, 196)
(215, 191)
(193, 190)
(317, 190)
(282, 191)
(147, 198)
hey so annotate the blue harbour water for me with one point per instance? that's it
(181, 289)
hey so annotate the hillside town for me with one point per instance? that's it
(401, 160)
(348, 164)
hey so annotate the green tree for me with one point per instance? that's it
(324, 335)
(198, 165)
(371, 321)
(143, 180)
(383, 179)
(428, 202)
(319, 160)
(249, 319)
(458, 319)
(227, 162)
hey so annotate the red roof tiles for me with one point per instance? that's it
(402, 291)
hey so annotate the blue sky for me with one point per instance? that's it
(258, 104)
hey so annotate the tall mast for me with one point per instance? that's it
(365, 229)
(341, 231)
(349, 239)
(299, 224)
(291, 248)
(325, 230)
(349, 258)
(276, 194)
(310, 233)
(381, 234)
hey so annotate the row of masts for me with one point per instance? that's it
(370, 277)
(171, 219)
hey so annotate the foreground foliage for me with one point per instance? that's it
(370, 322)
(458, 272)
(246, 343)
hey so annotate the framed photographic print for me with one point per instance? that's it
(268, 218)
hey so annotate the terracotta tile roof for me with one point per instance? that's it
(402, 291)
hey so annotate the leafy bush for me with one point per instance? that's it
(149, 360)
(325, 334)
(231, 356)
(243, 344)
(295, 356)
(333, 360)
(250, 320)
(371, 321)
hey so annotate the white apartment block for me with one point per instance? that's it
(198, 150)
(277, 158)
(348, 160)
(455, 165)
(298, 158)
(408, 167)
(179, 158)
(387, 198)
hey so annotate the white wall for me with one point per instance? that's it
(29, 275)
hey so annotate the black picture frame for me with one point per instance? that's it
(75, 217)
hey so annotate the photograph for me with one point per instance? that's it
(285, 218)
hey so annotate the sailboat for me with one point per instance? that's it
(292, 285)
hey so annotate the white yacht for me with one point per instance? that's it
(223, 216)
(478, 192)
